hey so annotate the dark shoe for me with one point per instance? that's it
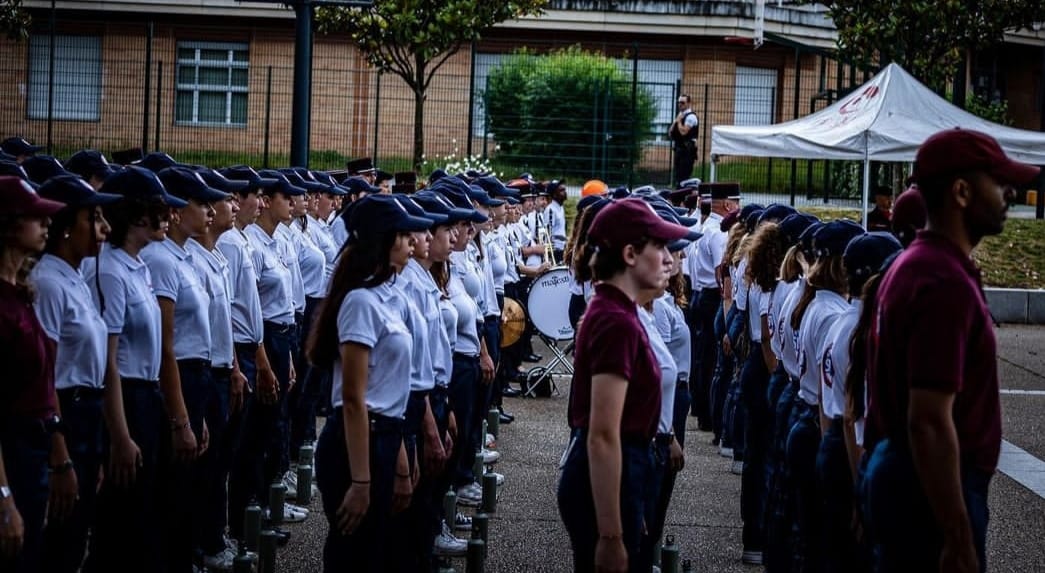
(533, 358)
(507, 418)
(509, 392)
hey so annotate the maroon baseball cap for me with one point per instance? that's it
(628, 221)
(961, 150)
(18, 198)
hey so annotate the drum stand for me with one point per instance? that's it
(560, 365)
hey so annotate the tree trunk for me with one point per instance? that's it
(419, 110)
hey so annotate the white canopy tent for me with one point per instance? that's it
(886, 119)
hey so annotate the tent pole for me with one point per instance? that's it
(714, 165)
(867, 186)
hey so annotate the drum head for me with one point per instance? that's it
(548, 304)
(513, 322)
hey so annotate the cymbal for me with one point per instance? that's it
(513, 322)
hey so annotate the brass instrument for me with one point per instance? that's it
(545, 239)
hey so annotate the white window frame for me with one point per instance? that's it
(755, 95)
(228, 64)
(77, 75)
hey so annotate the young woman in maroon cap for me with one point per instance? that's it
(615, 398)
(27, 398)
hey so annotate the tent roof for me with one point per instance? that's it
(887, 118)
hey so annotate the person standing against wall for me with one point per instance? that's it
(683, 134)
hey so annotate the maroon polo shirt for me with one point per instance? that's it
(934, 331)
(611, 340)
(27, 357)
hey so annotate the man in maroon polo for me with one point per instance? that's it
(935, 415)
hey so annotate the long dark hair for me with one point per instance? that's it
(580, 255)
(855, 378)
(765, 253)
(827, 273)
(363, 264)
(124, 214)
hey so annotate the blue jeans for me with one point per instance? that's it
(464, 383)
(367, 548)
(577, 506)
(907, 536)
(129, 522)
(26, 447)
(842, 552)
(65, 542)
(803, 442)
(754, 382)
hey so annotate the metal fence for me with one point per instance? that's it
(221, 104)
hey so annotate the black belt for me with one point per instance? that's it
(379, 423)
(193, 363)
(663, 439)
(222, 370)
(625, 439)
(139, 383)
(419, 394)
(77, 393)
(464, 356)
(682, 382)
(278, 328)
(36, 426)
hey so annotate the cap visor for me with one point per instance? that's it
(172, 201)
(101, 199)
(437, 218)
(413, 224)
(494, 203)
(457, 215)
(676, 246)
(688, 221)
(1015, 173)
(668, 232)
(478, 217)
(44, 207)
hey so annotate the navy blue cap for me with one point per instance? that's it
(187, 184)
(246, 173)
(139, 183)
(752, 219)
(40, 168)
(436, 175)
(375, 215)
(620, 193)
(19, 146)
(806, 239)
(4, 156)
(587, 201)
(747, 209)
(433, 202)
(418, 210)
(334, 187)
(669, 215)
(667, 212)
(793, 225)
(865, 254)
(356, 185)
(776, 213)
(222, 183)
(458, 198)
(296, 178)
(75, 192)
(496, 188)
(831, 239)
(157, 161)
(283, 185)
(89, 163)
(477, 194)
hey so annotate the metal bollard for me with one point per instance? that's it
(486, 430)
(450, 508)
(277, 497)
(669, 556)
(489, 504)
(476, 560)
(267, 552)
(445, 566)
(656, 555)
(304, 473)
(493, 422)
(481, 530)
(687, 566)
(243, 563)
(307, 454)
(478, 469)
(252, 525)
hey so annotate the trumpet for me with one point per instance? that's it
(545, 239)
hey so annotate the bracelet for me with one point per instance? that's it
(361, 482)
(403, 476)
(62, 467)
(611, 537)
(175, 426)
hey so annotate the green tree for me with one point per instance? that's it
(569, 111)
(929, 38)
(14, 21)
(414, 38)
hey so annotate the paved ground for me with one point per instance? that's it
(526, 534)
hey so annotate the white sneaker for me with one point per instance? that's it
(737, 467)
(462, 522)
(220, 562)
(292, 515)
(725, 452)
(298, 508)
(490, 456)
(470, 495)
(449, 545)
(751, 558)
(490, 441)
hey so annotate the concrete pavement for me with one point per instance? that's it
(526, 534)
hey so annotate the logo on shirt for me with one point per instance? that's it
(827, 368)
(802, 362)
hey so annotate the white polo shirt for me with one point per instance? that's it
(671, 323)
(69, 317)
(497, 253)
(556, 224)
(819, 317)
(834, 361)
(466, 340)
(426, 324)
(785, 339)
(130, 310)
(709, 252)
(338, 232)
(311, 261)
(668, 371)
(244, 260)
(213, 269)
(290, 243)
(489, 285)
(319, 232)
(174, 277)
(275, 289)
(377, 318)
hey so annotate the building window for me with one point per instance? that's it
(77, 77)
(754, 101)
(211, 84)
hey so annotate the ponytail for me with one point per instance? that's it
(856, 377)
(792, 266)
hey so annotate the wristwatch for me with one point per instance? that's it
(5, 492)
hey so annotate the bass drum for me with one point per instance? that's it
(548, 304)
